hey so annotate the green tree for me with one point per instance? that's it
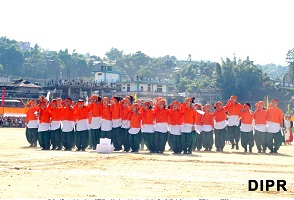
(11, 57)
(290, 61)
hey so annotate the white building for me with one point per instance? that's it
(105, 74)
(146, 89)
(4, 79)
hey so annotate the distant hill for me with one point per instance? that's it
(274, 71)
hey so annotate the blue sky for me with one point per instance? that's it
(208, 30)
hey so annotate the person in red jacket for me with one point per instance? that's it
(161, 126)
(220, 125)
(82, 113)
(207, 128)
(260, 117)
(44, 126)
(95, 125)
(126, 109)
(247, 139)
(274, 136)
(175, 124)
(32, 123)
(148, 126)
(234, 111)
(55, 110)
(188, 135)
(116, 123)
(135, 128)
(106, 123)
(68, 124)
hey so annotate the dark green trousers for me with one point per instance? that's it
(28, 136)
(44, 139)
(68, 139)
(106, 134)
(134, 141)
(187, 141)
(175, 142)
(56, 138)
(220, 138)
(247, 139)
(117, 138)
(95, 137)
(226, 134)
(207, 139)
(82, 139)
(32, 135)
(160, 141)
(125, 138)
(274, 140)
(90, 139)
(198, 140)
(149, 139)
(260, 140)
(234, 134)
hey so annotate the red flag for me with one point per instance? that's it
(3, 97)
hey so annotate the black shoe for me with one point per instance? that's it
(263, 151)
(232, 146)
(116, 149)
(83, 149)
(67, 149)
(189, 152)
(198, 149)
(35, 145)
(94, 148)
(59, 148)
(206, 150)
(259, 151)
(237, 147)
(245, 150)
(217, 149)
(31, 145)
(78, 150)
(47, 148)
(271, 151)
(250, 150)
(43, 148)
(53, 148)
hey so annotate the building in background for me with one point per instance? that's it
(104, 74)
(24, 45)
(146, 89)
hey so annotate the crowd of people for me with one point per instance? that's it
(11, 121)
(186, 126)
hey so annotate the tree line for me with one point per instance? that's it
(243, 78)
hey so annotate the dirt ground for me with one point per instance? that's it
(33, 173)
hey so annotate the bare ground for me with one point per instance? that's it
(33, 173)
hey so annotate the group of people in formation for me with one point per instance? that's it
(185, 126)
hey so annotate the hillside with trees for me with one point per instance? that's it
(249, 81)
